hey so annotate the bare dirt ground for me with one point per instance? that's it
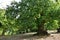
(29, 36)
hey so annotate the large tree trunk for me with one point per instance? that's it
(41, 29)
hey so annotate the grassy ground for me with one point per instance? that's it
(29, 36)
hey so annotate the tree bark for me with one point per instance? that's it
(41, 29)
(4, 30)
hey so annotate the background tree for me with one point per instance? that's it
(28, 13)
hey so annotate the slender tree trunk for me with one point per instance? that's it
(4, 30)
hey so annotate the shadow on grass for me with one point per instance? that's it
(22, 37)
(25, 36)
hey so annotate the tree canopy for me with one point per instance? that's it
(31, 15)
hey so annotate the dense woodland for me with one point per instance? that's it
(30, 16)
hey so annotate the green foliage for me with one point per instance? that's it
(22, 16)
(52, 25)
(25, 13)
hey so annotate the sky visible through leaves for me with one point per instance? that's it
(3, 3)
